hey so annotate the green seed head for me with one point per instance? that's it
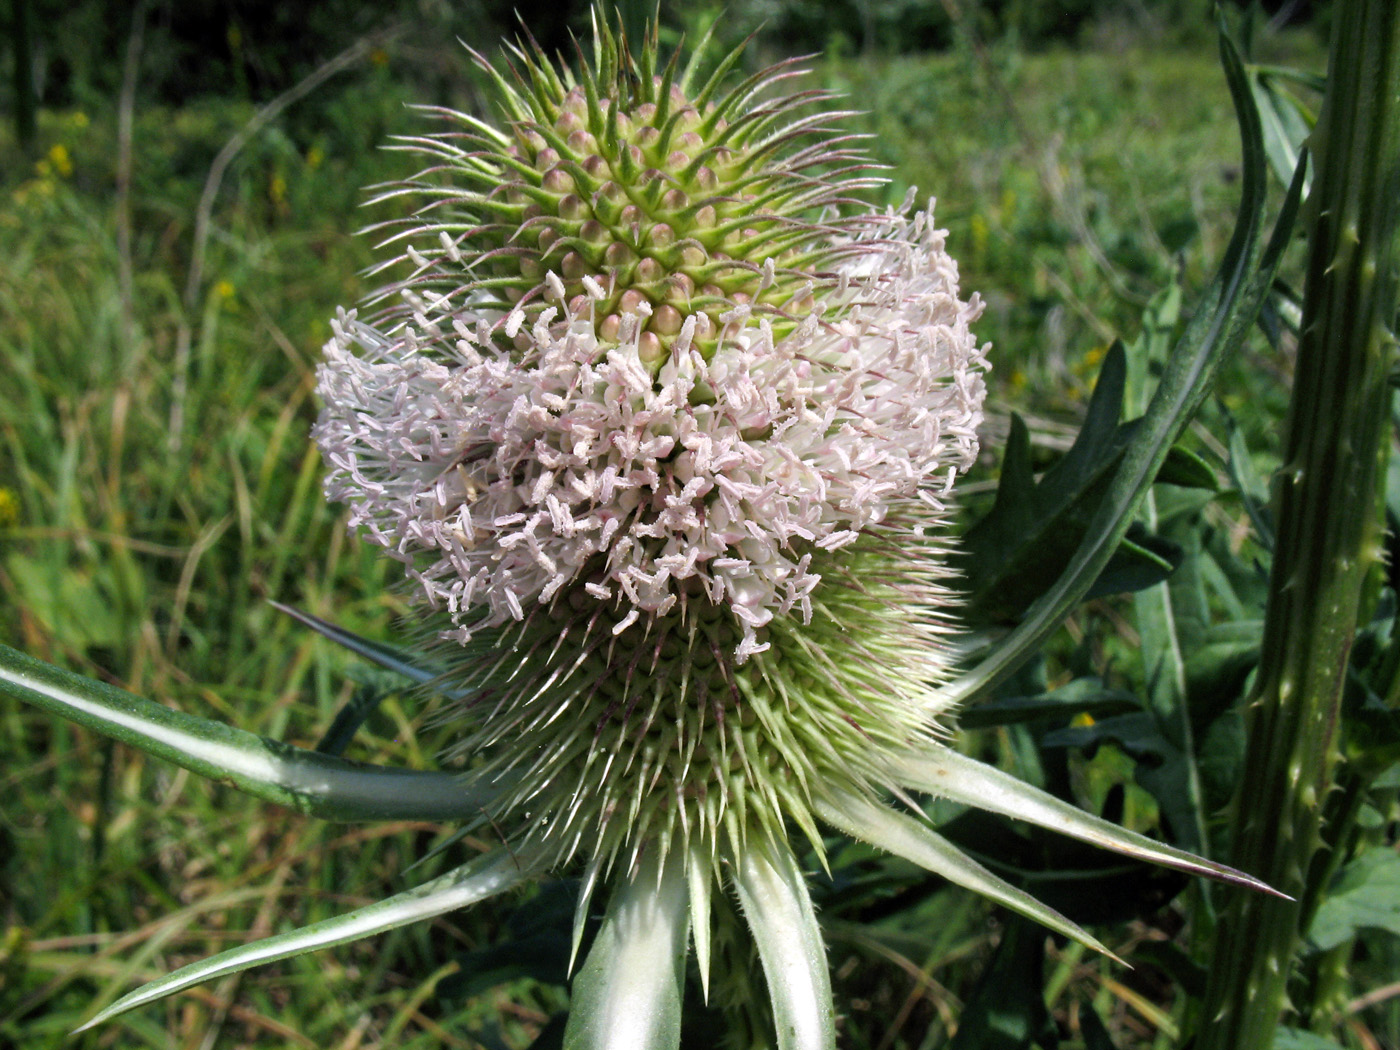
(660, 202)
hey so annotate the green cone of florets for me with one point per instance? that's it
(672, 195)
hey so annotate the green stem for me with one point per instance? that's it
(1329, 521)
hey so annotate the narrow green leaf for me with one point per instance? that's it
(533, 943)
(485, 877)
(1252, 490)
(1080, 696)
(628, 994)
(1170, 619)
(1285, 121)
(1286, 1038)
(1183, 467)
(316, 784)
(1006, 1010)
(906, 837)
(1092, 1028)
(385, 656)
(1018, 550)
(1141, 561)
(944, 773)
(779, 912)
(367, 699)
(354, 713)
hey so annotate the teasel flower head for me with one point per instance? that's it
(662, 423)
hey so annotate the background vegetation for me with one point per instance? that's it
(175, 236)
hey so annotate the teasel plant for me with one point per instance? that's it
(664, 426)
(1328, 561)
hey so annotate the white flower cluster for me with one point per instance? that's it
(501, 478)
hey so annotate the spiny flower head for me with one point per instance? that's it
(666, 435)
(662, 427)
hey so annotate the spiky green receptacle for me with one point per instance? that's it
(659, 738)
(680, 197)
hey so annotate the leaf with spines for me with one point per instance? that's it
(628, 994)
(774, 897)
(1033, 529)
(907, 837)
(945, 773)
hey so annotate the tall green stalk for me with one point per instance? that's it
(1329, 521)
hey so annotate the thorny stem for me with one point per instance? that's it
(1329, 522)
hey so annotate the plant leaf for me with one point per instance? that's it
(628, 994)
(484, 877)
(1092, 1028)
(1285, 121)
(779, 912)
(1141, 561)
(906, 837)
(1365, 896)
(1087, 885)
(1169, 616)
(316, 784)
(1162, 767)
(534, 944)
(354, 713)
(1006, 1010)
(1080, 696)
(1183, 467)
(1220, 323)
(368, 697)
(1286, 1038)
(1016, 552)
(946, 774)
